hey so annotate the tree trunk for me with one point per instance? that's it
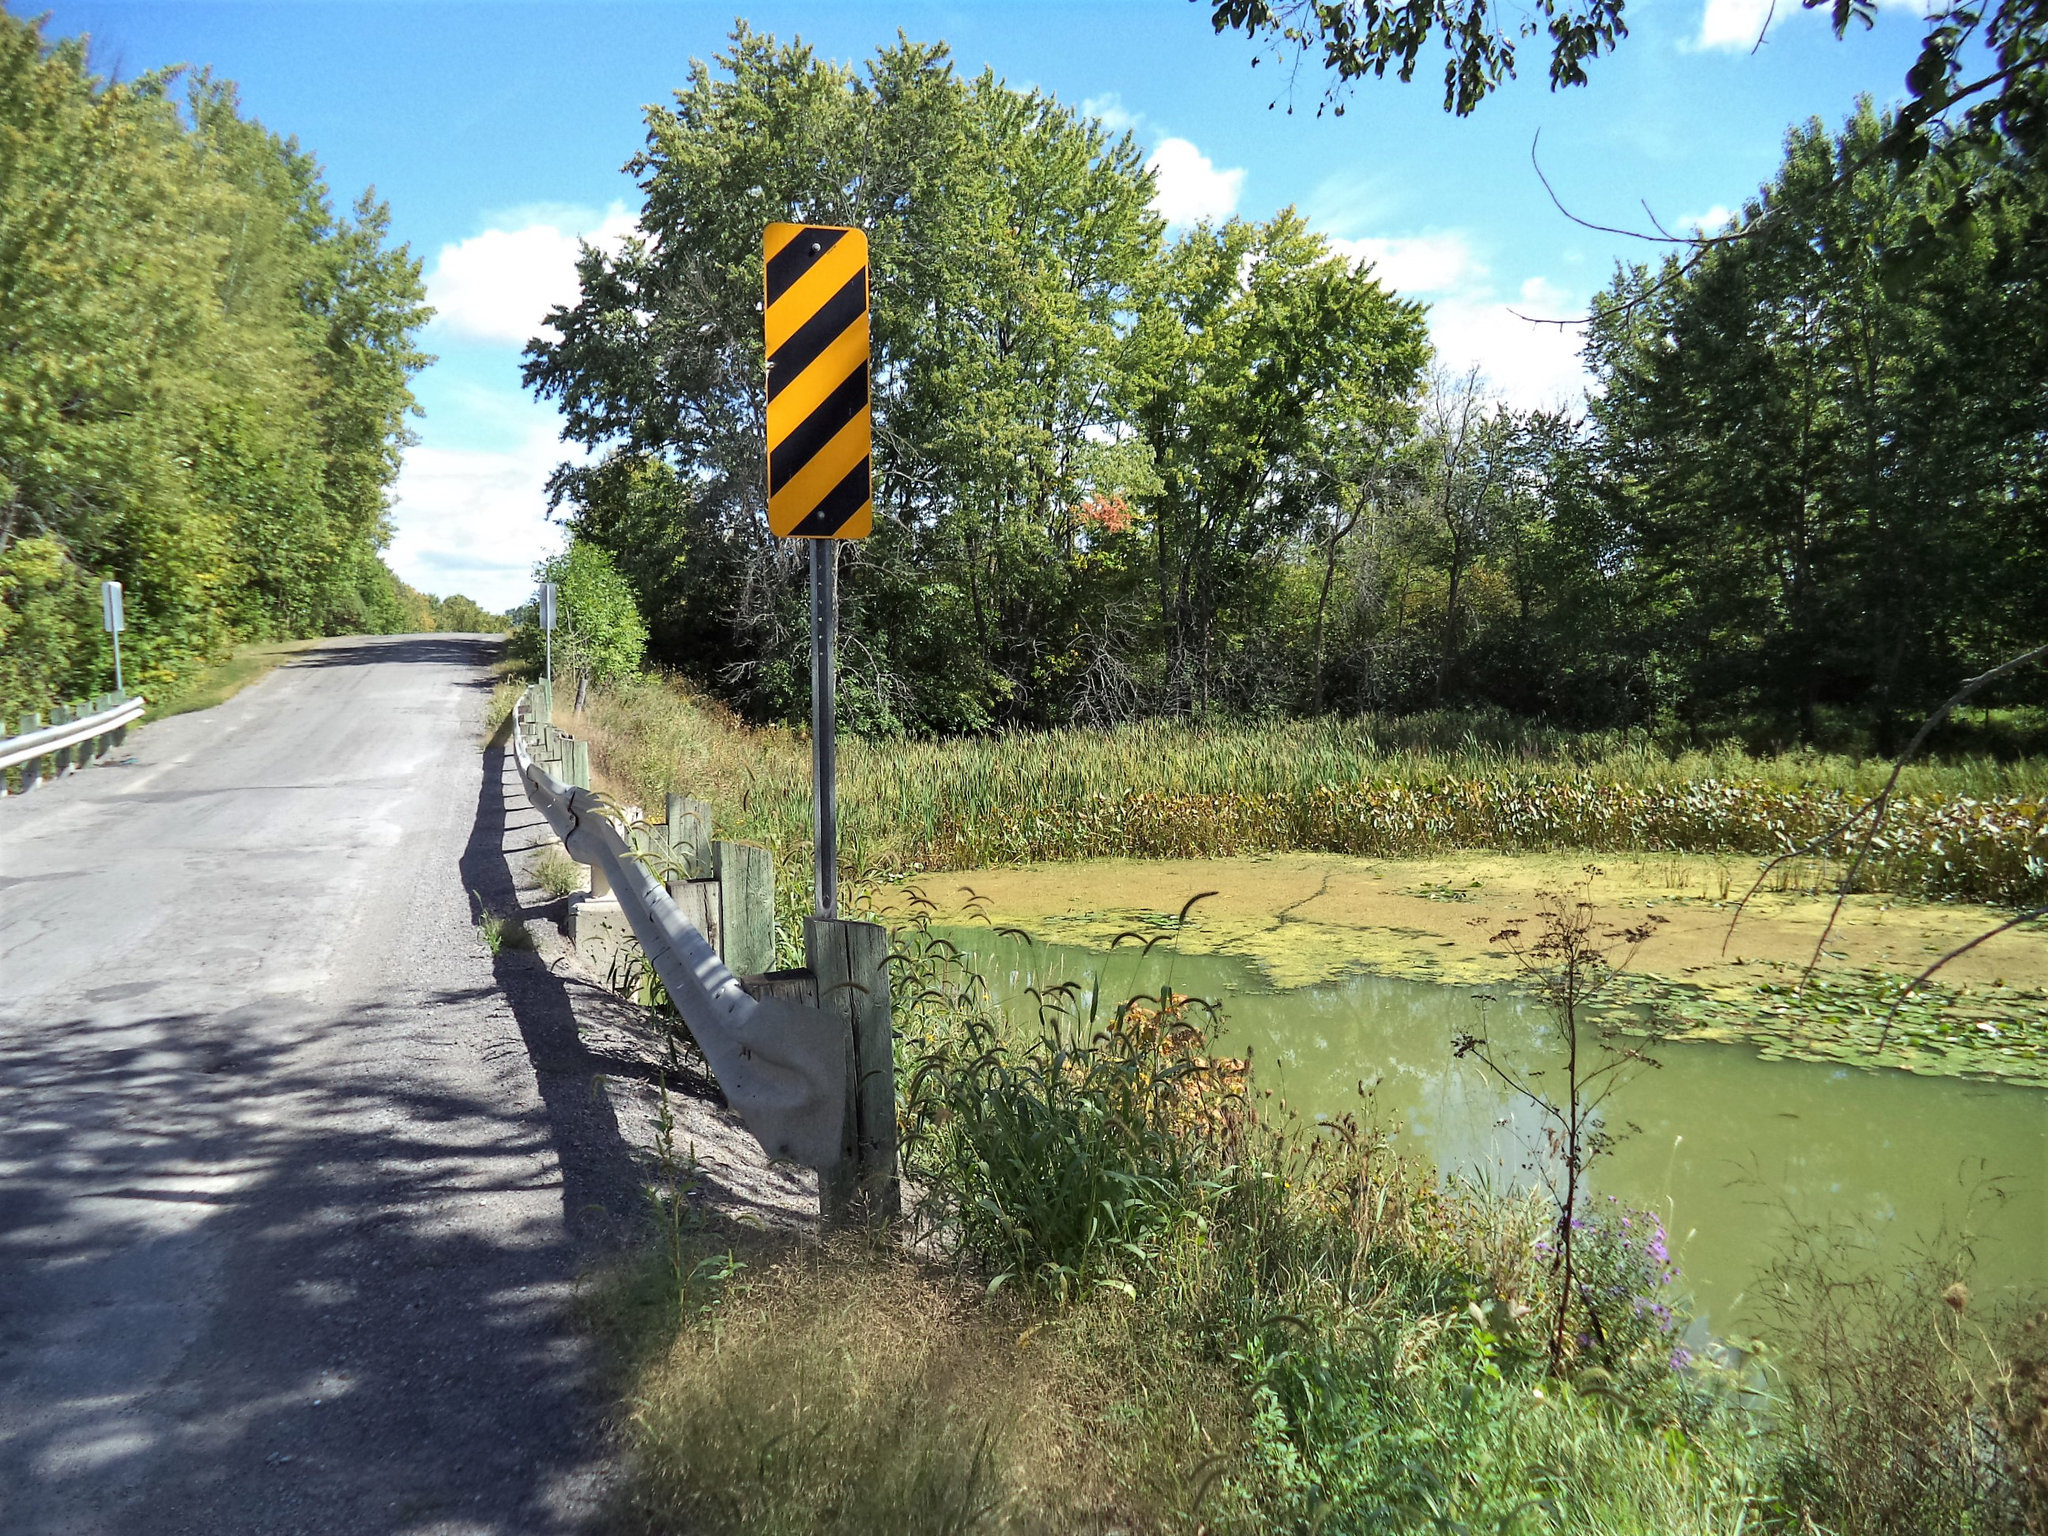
(1323, 605)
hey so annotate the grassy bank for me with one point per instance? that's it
(1136, 1299)
(1371, 787)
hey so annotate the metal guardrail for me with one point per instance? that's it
(74, 737)
(783, 1065)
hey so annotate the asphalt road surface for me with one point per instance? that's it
(295, 1180)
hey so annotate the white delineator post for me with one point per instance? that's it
(116, 620)
(547, 628)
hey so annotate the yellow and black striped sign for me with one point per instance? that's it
(815, 301)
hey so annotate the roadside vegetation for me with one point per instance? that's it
(1126, 472)
(1137, 1295)
(206, 366)
(1376, 786)
(1418, 791)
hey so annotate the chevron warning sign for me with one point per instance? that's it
(815, 304)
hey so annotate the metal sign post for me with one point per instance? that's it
(814, 306)
(825, 722)
(547, 626)
(115, 620)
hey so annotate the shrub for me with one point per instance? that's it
(599, 633)
(556, 873)
(1067, 1160)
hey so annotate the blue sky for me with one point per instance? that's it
(497, 134)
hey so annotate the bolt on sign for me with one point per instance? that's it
(815, 305)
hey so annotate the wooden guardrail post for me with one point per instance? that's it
(32, 770)
(746, 906)
(60, 760)
(689, 837)
(692, 879)
(851, 963)
(576, 774)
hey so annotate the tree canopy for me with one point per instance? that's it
(1981, 76)
(1091, 445)
(1829, 474)
(203, 378)
(1122, 470)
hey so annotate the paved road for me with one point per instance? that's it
(291, 1173)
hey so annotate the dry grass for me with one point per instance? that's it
(841, 1389)
(498, 708)
(1919, 1407)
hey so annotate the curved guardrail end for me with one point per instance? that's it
(781, 1065)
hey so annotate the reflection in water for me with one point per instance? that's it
(1728, 1147)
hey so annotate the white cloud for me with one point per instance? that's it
(475, 520)
(1472, 323)
(1712, 222)
(1191, 189)
(1416, 264)
(499, 285)
(1111, 112)
(1737, 25)
(1532, 364)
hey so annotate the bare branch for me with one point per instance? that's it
(2033, 914)
(1883, 802)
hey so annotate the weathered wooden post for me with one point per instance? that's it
(851, 963)
(576, 774)
(746, 906)
(689, 837)
(697, 900)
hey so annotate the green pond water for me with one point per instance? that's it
(1729, 1148)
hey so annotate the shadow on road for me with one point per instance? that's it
(295, 1267)
(385, 1340)
(601, 1185)
(384, 650)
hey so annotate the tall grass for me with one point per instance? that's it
(1138, 1297)
(1385, 1329)
(1371, 786)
